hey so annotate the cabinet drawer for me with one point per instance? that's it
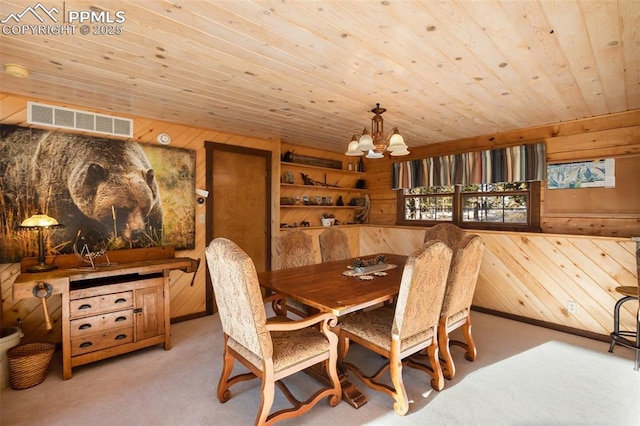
(98, 323)
(98, 341)
(99, 304)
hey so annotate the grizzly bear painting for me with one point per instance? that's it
(107, 192)
(102, 188)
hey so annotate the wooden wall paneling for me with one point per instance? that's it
(587, 146)
(383, 198)
(498, 289)
(563, 276)
(596, 226)
(528, 275)
(374, 239)
(535, 275)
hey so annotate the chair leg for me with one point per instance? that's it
(471, 353)
(448, 367)
(224, 394)
(331, 366)
(437, 380)
(616, 320)
(401, 404)
(268, 395)
(624, 338)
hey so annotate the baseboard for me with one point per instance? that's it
(539, 323)
(189, 317)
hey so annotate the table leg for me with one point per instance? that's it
(351, 394)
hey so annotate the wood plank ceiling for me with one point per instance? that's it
(309, 72)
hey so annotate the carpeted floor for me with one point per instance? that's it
(524, 375)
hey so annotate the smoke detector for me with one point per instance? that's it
(16, 70)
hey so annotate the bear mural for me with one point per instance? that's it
(109, 193)
(102, 189)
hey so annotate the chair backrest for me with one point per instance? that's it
(294, 248)
(448, 233)
(422, 289)
(463, 275)
(237, 294)
(334, 245)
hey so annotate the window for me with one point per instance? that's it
(507, 206)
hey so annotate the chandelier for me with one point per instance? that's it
(375, 143)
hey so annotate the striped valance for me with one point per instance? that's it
(512, 164)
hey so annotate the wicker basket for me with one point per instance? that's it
(29, 364)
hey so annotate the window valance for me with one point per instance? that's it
(513, 164)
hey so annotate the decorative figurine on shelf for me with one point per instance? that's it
(306, 179)
(327, 219)
(287, 157)
(288, 177)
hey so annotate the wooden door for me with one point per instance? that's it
(238, 206)
(150, 315)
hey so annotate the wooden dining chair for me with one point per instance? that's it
(270, 350)
(400, 332)
(458, 297)
(448, 233)
(468, 250)
(628, 338)
(334, 245)
(293, 248)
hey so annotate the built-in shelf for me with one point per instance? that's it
(316, 206)
(285, 164)
(332, 188)
(342, 225)
(329, 184)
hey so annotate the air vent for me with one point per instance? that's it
(66, 118)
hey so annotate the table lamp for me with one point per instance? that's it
(39, 222)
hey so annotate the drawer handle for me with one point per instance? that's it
(85, 344)
(121, 319)
(84, 326)
(120, 300)
(85, 306)
(121, 336)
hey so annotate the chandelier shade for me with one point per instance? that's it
(353, 150)
(374, 142)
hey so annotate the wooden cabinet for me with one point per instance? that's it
(110, 310)
(305, 202)
(113, 316)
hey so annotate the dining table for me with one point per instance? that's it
(338, 288)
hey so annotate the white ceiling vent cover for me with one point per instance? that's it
(66, 118)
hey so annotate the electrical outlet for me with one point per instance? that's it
(572, 307)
